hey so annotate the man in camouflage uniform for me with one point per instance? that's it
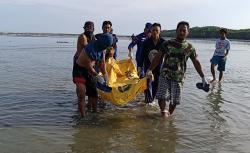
(175, 53)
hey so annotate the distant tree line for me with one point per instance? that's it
(195, 32)
(211, 32)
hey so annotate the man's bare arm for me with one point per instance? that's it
(226, 53)
(198, 66)
(81, 43)
(102, 67)
(86, 62)
(102, 64)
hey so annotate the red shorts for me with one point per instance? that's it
(82, 76)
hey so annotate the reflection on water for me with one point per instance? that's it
(215, 98)
(125, 131)
(216, 116)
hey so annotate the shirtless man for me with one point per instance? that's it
(85, 74)
(82, 41)
(85, 38)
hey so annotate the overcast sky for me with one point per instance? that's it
(127, 16)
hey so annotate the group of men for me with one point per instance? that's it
(88, 60)
(163, 60)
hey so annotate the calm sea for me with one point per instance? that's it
(38, 106)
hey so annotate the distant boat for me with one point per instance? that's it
(61, 42)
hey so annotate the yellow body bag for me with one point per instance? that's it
(124, 81)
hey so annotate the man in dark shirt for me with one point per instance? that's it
(138, 40)
(107, 28)
(150, 47)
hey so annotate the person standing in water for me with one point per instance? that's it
(176, 53)
(82, 41)
(85, 74)
(138, 40)
(219, 58)
(150, 48)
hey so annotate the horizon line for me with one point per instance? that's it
(60, 33)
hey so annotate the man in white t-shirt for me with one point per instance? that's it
(219, 58)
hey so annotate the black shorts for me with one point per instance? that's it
(82, 76)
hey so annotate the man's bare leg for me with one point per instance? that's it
(213, 73)
(80, 91)
(89, 106)
(93, 102)
(162, 105)
(171, 108)
(220, 76)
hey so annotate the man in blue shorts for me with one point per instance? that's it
(219, 58)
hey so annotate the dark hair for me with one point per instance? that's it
(156, 25)
(182, 23)
(88, 23)
(106, 22)
(223, 30)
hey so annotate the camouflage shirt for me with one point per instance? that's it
(176, 56)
